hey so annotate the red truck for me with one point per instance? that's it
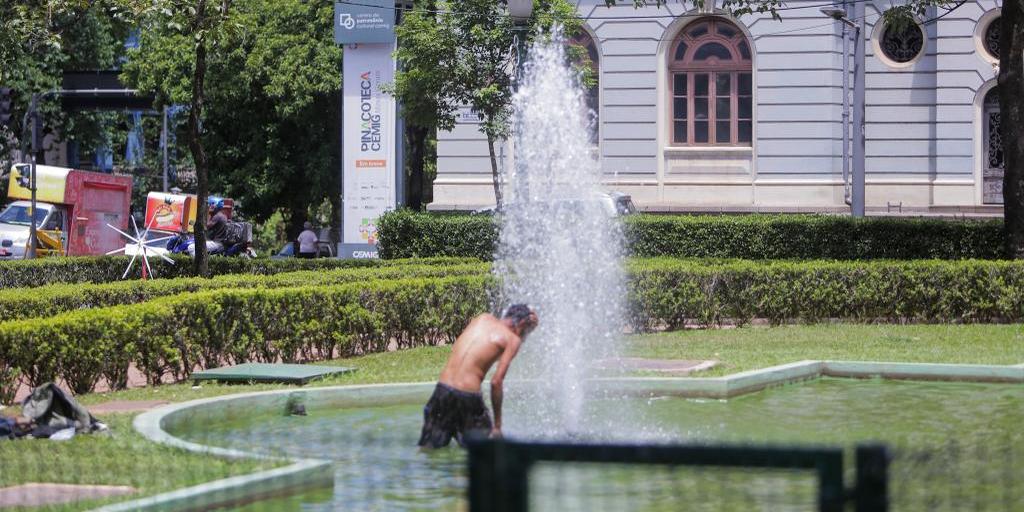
(72, 207)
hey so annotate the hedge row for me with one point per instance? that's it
(19, 303)
(104, 269)
(405, 234)
(672, 293)
(174, 335)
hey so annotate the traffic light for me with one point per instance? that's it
(5, 106)
(22, 176)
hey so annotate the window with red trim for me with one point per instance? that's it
(590, 58)
(711, 85)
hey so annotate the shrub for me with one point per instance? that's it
(673, 293)
(206, 329)
(58, 298)
(174, 334)
(104, 269)
(405, 234)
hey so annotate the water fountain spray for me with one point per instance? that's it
(560, 249)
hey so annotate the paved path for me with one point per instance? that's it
(124, 406)
(35, 495)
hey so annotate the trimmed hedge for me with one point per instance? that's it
(405, 234)
(173, 335)
(54, 299)
(104, 269)
(669, 294)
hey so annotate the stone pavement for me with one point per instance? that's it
(35, 494)
(125, 406)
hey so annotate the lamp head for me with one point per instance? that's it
(833, 12)
(520, 10)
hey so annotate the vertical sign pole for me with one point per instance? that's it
(858, 195)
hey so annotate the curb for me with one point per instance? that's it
(304, 474)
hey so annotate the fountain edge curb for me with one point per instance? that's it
(312, 472)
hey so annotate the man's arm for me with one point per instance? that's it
(498, 379)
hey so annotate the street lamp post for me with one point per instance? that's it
(857, 192)
(520, 11)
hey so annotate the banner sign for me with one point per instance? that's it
(368, 146)
(364, 21)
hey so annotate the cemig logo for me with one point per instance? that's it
(347, 21)
(365, 254)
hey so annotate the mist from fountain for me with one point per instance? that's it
(560, 250)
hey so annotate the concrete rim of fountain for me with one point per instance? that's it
(309, 473)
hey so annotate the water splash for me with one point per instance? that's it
(560, 250)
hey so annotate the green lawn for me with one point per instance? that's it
(751, 348)
(127, 459)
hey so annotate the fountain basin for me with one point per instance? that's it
(375, 426)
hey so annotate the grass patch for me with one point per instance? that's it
(758, 347)
(120, 457)
(125, 458)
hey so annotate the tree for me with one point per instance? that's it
(271, 94)
(39, 40)
(272, 118)
(461, 54)
(180, 35)
(1011, 108)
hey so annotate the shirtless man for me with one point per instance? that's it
(457, 405)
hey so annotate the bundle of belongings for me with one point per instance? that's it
(49, 412)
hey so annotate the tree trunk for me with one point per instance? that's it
(494, 170)
(195, 144)
(417, 136)
(1011, 112)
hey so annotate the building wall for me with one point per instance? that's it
(922, 119)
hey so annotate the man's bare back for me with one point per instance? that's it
(483, 341)
(457, 404)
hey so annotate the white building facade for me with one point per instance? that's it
(698, 111)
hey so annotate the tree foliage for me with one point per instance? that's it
(272, 96)
(39, 40)
(462, 53)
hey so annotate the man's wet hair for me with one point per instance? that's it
(517, 313)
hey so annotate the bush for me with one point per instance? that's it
(176, 333)
(173, 335)
(405, 234)
(812, 237)
(54, 299)
(666, 293)
(105, 269)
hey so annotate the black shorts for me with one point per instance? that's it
(452, 413)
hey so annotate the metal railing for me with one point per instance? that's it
(499, 471)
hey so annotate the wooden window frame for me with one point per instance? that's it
(713, 67)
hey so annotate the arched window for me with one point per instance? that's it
(711, 85)
(994, 164)
(589, 57)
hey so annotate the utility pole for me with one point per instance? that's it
(164, 139)
(857, 206)
(856, 200)
(36, 145)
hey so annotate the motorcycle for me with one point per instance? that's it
(237, 243)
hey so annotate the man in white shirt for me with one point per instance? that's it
(307, 241)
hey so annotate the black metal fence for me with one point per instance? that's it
(501, 478)
(381, 469)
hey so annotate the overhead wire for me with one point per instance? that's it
(589, 17)
(673, 16)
